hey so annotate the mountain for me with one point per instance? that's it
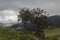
(1, 24)
(6, 24)
(55, 20)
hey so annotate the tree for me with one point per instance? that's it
(35, 16)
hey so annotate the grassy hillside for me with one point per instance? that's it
(8, 34)
(52, 32)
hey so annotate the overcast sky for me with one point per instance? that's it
(9, 8)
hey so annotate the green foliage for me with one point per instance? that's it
(36, 16)
(52, 32)
(7, 34)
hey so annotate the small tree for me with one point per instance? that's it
(35, 16)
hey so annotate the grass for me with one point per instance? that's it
(6, 34)
(52, 32)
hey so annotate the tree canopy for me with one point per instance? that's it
(36, 16)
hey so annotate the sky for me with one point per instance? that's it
(9, 8)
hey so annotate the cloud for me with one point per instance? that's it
(48, 5)
(8, 16)
(9, 8)
(8, 13)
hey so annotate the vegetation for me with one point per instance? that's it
(34, 16)
(7, 34)
(52, 32)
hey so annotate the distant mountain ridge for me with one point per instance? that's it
(1, 24)
(55, 20)
(6, 24)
